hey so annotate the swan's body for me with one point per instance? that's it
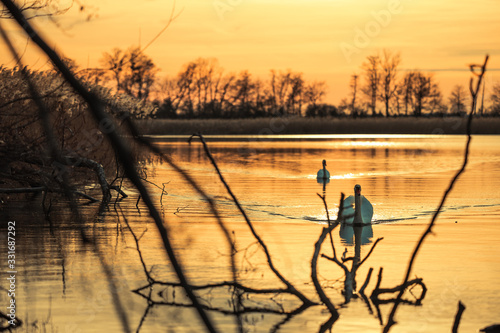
(323, 173)
(357, 209)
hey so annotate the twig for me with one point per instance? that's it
(136, 240)
(326, 207)
(361, 291)
(314, 274)
(86, 196)
(371, 250)
(367, 280)
(163, 192)
(458, 316)
(141, 140)
(290, 287)
(391, 321)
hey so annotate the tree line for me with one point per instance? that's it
(203, 89)
(399, 92)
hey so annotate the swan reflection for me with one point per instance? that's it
(350, 234)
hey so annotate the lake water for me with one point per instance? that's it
(61, 285)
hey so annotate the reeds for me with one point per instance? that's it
(327, 125)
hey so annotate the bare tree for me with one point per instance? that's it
(457, 99)
(243, 90)
(436, 104)
(406, 90)
(141, 74)
(315, 92)
(424, 89)
(371, 69)
(296, 94)
(38, 8)
(389, 69)
(495, 99)
(354, 90)
(134, 72)
(280, 82)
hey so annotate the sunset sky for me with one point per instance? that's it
(326, 40)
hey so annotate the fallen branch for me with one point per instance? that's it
(98, 169)
(45, 189)
(401, 289)
(23, 190)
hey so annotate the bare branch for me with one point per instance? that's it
(474, 92)
(365, 284)
(458, 316)
(371, 250)
(314, 274)
(290, 287)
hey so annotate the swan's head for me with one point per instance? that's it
(324, 162)
(357, 189)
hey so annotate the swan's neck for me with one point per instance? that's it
(357, 209)
(324, 171)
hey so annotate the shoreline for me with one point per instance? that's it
(327, 125)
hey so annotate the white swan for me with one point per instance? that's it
(323, 173)
(357, 209)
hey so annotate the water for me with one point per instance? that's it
(61, 285)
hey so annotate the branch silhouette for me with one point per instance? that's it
(291, 288)
(474, 91)
(122, 149)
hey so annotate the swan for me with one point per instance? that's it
(357, 209)
(323, 174)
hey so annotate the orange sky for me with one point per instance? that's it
(325, 39)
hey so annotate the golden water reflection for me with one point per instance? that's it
(403, 178)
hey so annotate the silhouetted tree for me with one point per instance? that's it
(202, 89)
(134, 73)
(279, 84)
(371, 69)
(354, 90)
(296, 94)
(243, 90)
(314, 92)
(457, 99)
(406, 90)
(388, 71)
(436, 104)
(495, 99)
(424, 90)
(37, 8)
